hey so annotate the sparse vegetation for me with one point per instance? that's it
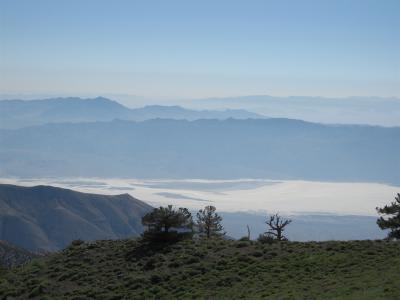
(265, 239)
(173, 267)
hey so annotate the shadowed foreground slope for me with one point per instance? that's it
(45, 218)
(215, 269)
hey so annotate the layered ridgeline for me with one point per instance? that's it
(252, 148)
(45, 218)
(20, 113)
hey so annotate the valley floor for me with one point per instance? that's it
(240, 195)
(211, 269)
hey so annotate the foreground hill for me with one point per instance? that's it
(20, 113)
(45, 218)
(216, 269)
(213, 149)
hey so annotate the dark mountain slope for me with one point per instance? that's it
(253, 148)
(48, 218)
(11, 256)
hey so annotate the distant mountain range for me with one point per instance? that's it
(45, 218)
(23, 113)
(350, 110)
(252, 148)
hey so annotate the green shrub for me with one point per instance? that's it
(76, 243)
(265, 239)
(242, 244)
(36, 291)
(155, 278)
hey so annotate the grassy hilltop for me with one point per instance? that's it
(211, 269)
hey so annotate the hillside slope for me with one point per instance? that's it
(216, 269)
(45, 218)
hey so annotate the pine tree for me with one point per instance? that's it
(392, 221)
(209, 222)
(162, 219)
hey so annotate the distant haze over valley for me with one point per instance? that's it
(200, 149)
(255, 196)
(215, 149)
(102, 138)
(234, 153)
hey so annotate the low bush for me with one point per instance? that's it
(265, 239)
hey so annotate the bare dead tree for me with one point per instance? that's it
(248, 232)
(277, 226)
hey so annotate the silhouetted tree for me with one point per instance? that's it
(276, 226)
(392, 221)
(209, 222)
(162, 219)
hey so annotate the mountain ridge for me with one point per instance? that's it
(16, 114)
(34, 217)
(223, 149)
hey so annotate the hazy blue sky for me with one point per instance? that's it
(200, 48)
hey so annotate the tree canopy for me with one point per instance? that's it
(392, 219)
(163, 219)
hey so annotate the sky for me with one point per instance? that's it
(194, 49)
